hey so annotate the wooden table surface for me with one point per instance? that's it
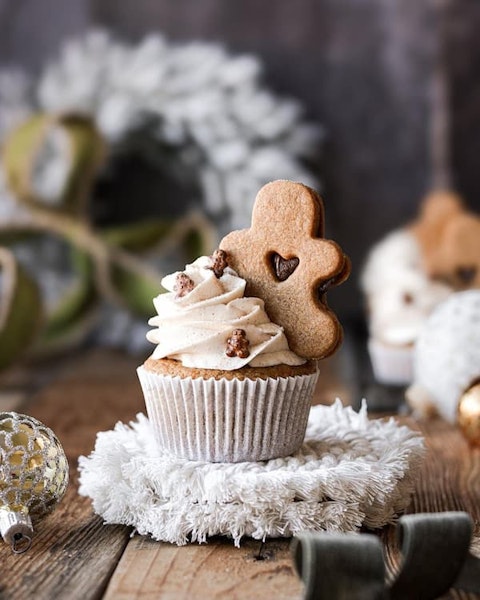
(74, 556)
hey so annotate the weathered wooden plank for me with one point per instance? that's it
(11, 400)
(215, 570)
(73, 554)
(449, 480)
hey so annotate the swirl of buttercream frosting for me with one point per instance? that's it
(194, 328)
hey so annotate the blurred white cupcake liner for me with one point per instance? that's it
(392, 365)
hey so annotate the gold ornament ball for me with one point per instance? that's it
(33, 476)
(468, 417)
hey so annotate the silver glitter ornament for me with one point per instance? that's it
(33, 476)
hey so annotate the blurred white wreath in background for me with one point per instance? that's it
(211, 110)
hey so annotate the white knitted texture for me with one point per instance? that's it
(447, 352)
(351, 471)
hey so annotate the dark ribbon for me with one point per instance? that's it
(435, 558)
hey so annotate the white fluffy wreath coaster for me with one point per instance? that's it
(350, 472)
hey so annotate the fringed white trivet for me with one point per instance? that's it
(350, 471)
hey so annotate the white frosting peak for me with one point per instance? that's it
(194, 328)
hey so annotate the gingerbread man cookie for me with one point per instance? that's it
(286, 262)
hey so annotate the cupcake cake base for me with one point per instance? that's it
(329, 484)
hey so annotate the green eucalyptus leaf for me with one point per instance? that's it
(51, 161)
(193, 233)
(88, 155)
(198, 234)
(20, 309)
(133, 279)
(18, 151)
(9, 236)
(70, 336)
(195, 244)
(76, 303)
(137, 237)
(71, 318)
(136, 286)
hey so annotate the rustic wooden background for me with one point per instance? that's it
(380, 75)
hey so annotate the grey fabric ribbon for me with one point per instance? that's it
(435, 558)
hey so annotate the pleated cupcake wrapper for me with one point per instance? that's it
(228, 420)
(391, 365)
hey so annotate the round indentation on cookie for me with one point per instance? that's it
(283, 267)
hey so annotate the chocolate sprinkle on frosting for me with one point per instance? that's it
(238, 344)
(183, 285)
(219, 262)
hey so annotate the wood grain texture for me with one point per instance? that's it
(214, 570)
(449, 480)
(11, 400)
(73, 554)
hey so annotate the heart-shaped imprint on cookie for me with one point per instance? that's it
(287, 262)
(283, 267)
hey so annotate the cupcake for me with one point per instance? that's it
(225, 383)
(410, 272)
(400, 296)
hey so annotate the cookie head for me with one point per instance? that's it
(449, 236)
(457, 260)
(287, 262)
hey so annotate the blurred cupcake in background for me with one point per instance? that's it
(399, 297)
(411, 271)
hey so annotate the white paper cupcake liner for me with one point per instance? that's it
(228, 420)
(391, 364)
